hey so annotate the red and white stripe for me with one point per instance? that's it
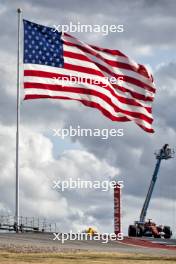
(129, 100)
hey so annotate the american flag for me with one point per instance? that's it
(104, 79)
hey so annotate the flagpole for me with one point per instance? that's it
(19, 12)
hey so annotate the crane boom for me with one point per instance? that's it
(164, 153)
(150, 191)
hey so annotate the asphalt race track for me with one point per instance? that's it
(43, 242)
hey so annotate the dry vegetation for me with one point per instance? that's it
(83, 257)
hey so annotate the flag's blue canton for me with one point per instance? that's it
(42, 45)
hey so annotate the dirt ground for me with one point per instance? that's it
(83, 257)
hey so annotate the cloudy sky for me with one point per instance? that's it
(149, 38)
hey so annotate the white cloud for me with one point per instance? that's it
(38, 168)
(130, 156)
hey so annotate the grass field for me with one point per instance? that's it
(83, 257)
